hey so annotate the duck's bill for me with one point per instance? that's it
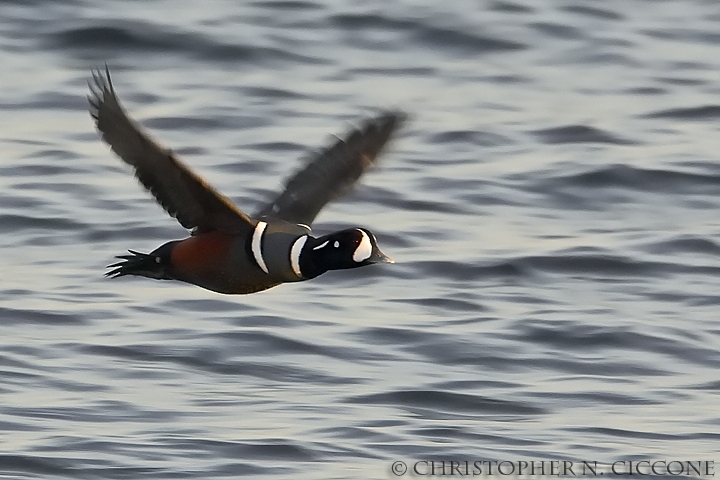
(379, 257)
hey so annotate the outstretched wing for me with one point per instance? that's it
(332, 171)
(182, 193)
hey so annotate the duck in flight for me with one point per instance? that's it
(229, 251)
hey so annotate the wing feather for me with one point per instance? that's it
(181, 192)
(332, 171)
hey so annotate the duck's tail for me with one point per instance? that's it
(142, 264)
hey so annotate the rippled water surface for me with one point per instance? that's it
(552, 206)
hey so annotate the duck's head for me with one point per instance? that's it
(352, 248)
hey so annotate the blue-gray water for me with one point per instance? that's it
(552, 205)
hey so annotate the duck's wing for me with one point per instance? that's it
(181, 192)
(332, 171)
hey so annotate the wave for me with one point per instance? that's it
(136, 36)
(580, 134)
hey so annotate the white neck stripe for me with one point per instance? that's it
(295, 252)
(321, 245)
(256, 245)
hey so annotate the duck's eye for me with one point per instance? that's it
(336, 244)
(158, 260)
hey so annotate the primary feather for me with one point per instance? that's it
(182, 193)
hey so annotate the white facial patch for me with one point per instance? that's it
(295, 252)
(256, 245)
(321, 245)
(364, 250)
(336, 244)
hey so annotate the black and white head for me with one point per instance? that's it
(352, 248)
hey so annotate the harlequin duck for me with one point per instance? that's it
(229, 251)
